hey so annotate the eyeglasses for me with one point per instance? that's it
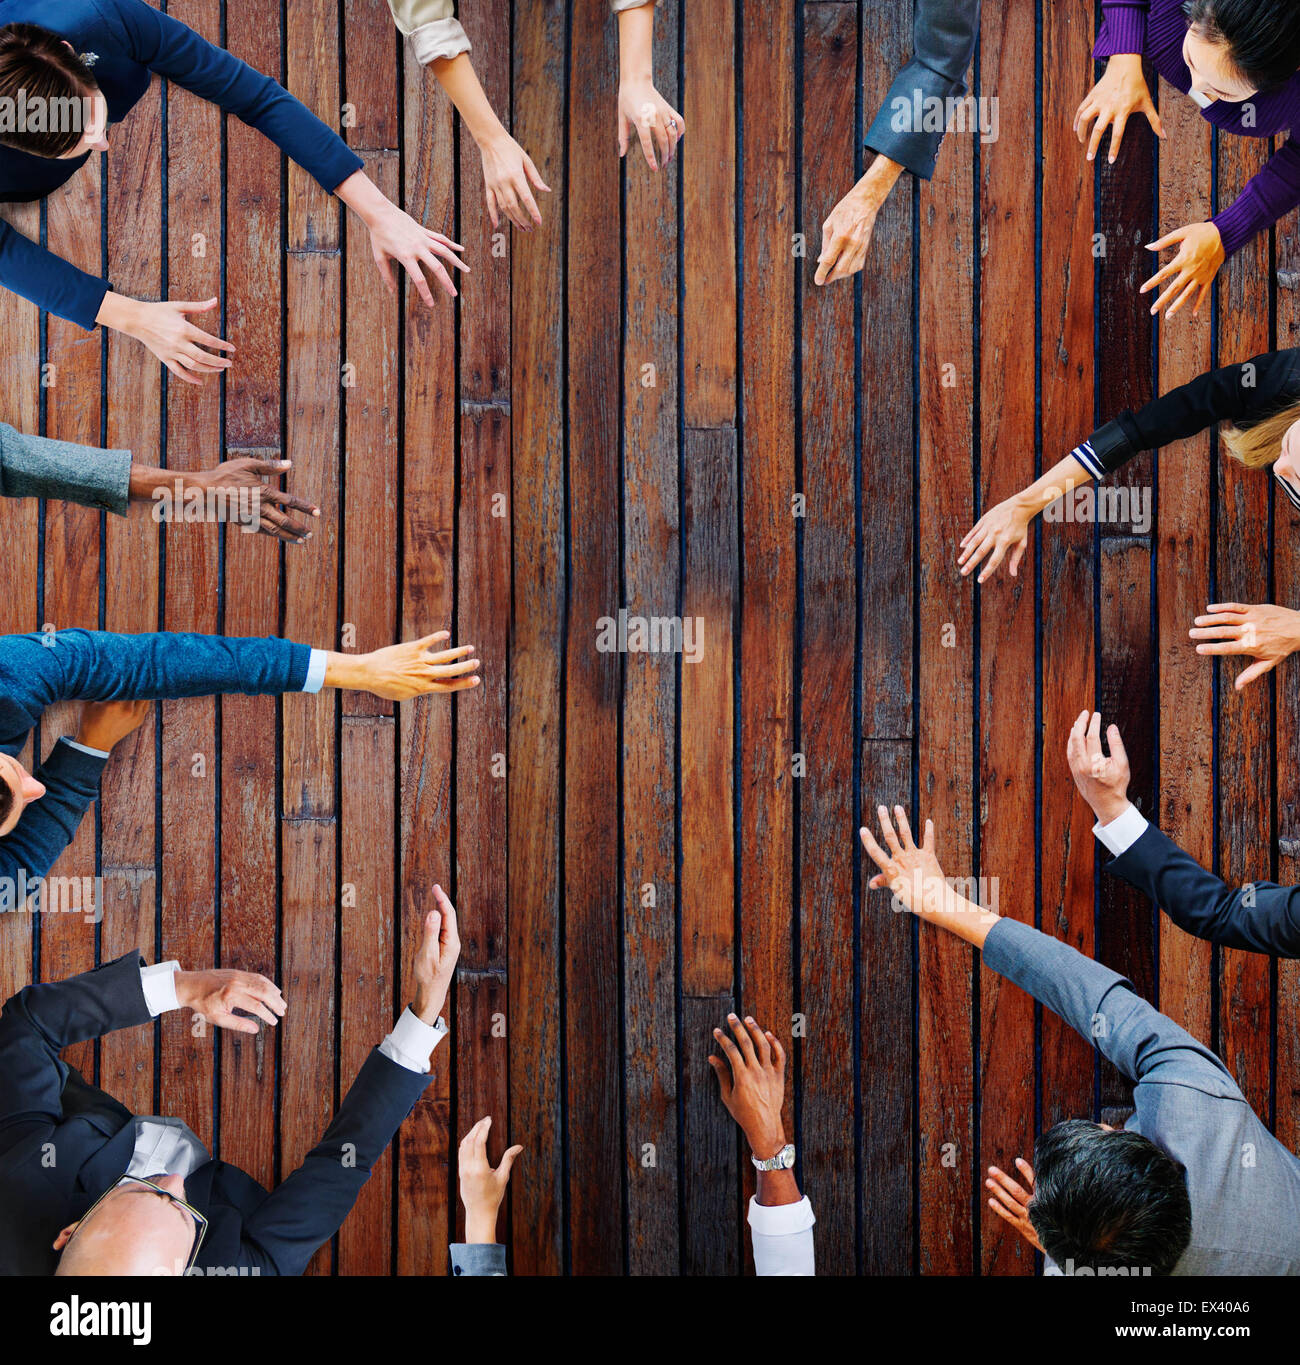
(200, 1222)
(1288, 488)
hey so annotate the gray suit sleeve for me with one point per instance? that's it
(478, 1258)
(37, 467)
(1099, 1004)
(943, 36)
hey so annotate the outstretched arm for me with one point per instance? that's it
(906, 132)
(307, 1209)
(1095, 1001)
(943, 36)
(642, 110)
(440, 43)
(1260, 917)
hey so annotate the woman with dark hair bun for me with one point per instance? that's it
(69, 71)
(1239, 60)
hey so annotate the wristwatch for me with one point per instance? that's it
(782, 1161)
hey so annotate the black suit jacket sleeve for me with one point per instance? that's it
(1237, 394)
(306, 1210)
(38, 1022)
(943, 39)
(1261, 917)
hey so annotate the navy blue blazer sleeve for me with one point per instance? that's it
(175, 51)
(46, 827)
(35, 273)
(40, 669)
(1260, 917)
(1105, 1009)
(38, 1022)
(943, 38)
(306, 1210)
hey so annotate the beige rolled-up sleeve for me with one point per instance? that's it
(617, 5)
(431, 27)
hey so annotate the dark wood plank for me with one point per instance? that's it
(1006, 606)
(765, 737)
(366, 948)
(946, 1154)
(1184, 679)
(536, 635)
(1067, 372)
(128, 803)
(652, 578)
(826, 734)
(1245, 718)
(249, 740)
(72, 550)
(591, 676)
(425, 1194)
(309, 835)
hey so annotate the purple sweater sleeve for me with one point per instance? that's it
(1270, 193)
(1123, 27)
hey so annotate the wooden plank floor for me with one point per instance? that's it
(647, 405)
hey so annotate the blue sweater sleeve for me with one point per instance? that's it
(176, 52)
(46, 826)
(34, 273)
(94, 665)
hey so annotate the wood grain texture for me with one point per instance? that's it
(648, 405)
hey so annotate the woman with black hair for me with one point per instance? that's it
(1239, 60)
(69, 71)
(1259, 403)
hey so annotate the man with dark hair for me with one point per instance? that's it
(1194, 1184)
(42, 809)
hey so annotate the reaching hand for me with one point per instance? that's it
(508, 171)
(913, 874)
(247, 472)
(1197, 262)
(435, 963)
(396, 236)
(1121, 92)
(752, 1083)
(177, 343)
(1102, 780)
(105, 723)
(217, 993)
(1265, 632)
(410, 669)
(642, 107)
(1002, 528)
(482, 1188)
(1010, 1199)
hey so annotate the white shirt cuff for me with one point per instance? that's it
(159, 985)
(85, 748)
(442, 38)
(315, 671)
(782, 1237)
(1123, 831)
(412, 1041)
(780, 1220)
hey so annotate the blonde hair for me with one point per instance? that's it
(1260, 444)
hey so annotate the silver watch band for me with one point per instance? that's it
(782, 1161)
